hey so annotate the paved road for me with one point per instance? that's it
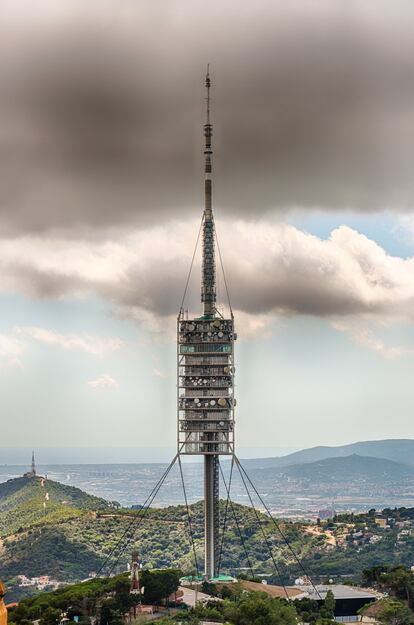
(190, 596)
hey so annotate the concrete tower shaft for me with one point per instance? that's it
(208, 297)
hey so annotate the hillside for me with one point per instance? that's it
(53, 529)
(28, 501)
(73, 548)
(76, 533)
(397, 450)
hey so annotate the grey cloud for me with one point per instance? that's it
(101, 109)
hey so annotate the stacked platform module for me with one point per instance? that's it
(206, 385)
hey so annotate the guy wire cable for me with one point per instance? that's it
(292, 551)
(225, 515)
(237, 523)
(264, 536)
(189, 517)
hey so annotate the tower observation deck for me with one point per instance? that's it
(205, 371)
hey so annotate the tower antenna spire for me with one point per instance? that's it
(208, 83)
(208, 284)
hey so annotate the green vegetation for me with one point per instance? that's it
(73, 548)
(73, 536)
(395, 613)
(106, 598)
(29, 501)
(398, 582)
(159, 585)
(354, 551)
(75, 533)
(258, 609)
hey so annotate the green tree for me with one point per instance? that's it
(328, 609)
(373, 575)
(308, 609)
(109, 615)
(259, 609)
(395, 613)
(400, 581)
(50, 616)
(159, 585)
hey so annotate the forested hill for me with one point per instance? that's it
(28, 501)
(53, 529)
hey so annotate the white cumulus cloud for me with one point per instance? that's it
(11, 350)
(104, 381)
(95, 345)
(365, 337)
(273, 270)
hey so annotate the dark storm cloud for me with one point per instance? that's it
(101, 108)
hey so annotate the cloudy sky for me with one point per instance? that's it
(101, 113)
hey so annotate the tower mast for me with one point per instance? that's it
(208, 297)
(205, 372)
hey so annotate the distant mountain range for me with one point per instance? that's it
(345, 469)
(398, 450)
(372, 471)
(357, 476)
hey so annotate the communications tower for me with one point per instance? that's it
(134, 586)
(205, 371)
(32, 472)
(33, 464)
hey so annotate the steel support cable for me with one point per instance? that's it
(237, 524)
(223, 272)
(191, 265)
(225, 515)
(136, 518)
(276, 524)
(129, 527)
(142, 516)
(269, 548)
(190, 525)
(145, 508)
